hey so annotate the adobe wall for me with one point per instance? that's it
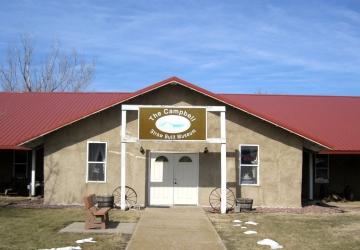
(280, 154)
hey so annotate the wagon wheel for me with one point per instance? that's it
(130, 196)
(215, 199)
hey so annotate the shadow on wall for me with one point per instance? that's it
(54, 187)
(74, 135)
(51, 180)
(210, 171)
(84, 129)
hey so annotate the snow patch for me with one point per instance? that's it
(250, 232)
(271, 243)
(85, 240)
(65, 248)
(237, 221)
(251, 223)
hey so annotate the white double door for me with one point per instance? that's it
(173, 179)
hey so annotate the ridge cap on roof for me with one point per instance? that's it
(291, 95)
(67, 92)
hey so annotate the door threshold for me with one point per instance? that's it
(159, 206)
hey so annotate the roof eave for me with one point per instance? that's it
(340, 152)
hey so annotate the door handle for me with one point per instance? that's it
(175, 182)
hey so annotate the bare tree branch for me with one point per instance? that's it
(58, 72)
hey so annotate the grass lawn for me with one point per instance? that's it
(27, 228)
(293, 231)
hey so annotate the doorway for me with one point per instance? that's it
(173, 179)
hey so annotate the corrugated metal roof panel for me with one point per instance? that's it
(24, 116)
(327, 120)
(331, 120)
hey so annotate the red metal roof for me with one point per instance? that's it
(25, 116)
(327, 120)
(333, 121)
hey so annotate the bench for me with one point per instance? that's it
(93, 214)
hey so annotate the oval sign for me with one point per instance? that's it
(173, 124)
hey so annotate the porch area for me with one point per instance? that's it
(331, 177)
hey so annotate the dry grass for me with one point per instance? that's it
(293, 231)
(7, 200)
(26, 228)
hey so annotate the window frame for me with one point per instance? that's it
(317, 179)
(19, 163)
(104, 162)
(252, 165)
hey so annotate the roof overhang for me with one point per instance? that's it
(340, 152)
(12, 147)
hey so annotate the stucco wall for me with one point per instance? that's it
(280, 154)
(65, 153)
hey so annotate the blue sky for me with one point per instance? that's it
(286, 47)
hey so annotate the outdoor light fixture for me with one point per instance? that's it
(142, 150)
(206, 150)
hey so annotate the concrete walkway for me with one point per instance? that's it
(175, 228)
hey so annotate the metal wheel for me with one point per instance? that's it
(130, 197)
(215, 199)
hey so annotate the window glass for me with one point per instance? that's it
(96, 172)
(97, 152)
(248, 174)
(249, 164)
(20, 164)
(161, 159)
(249, 154)
(185, 159)
(96, 161)
(322, 169)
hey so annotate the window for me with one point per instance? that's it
(20, 164)
(249, 164)
(157, 169)
(322, 169)
(185, 159)
(96, 164)
(161, 159)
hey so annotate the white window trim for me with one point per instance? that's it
(87, 162)
(257, 169)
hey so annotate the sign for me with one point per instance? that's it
(172, 123)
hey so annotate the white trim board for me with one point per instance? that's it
(104, 162)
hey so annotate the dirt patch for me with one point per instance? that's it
(317, 208)
(312, 209)
(26, 202)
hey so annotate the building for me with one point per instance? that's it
(179, 143)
